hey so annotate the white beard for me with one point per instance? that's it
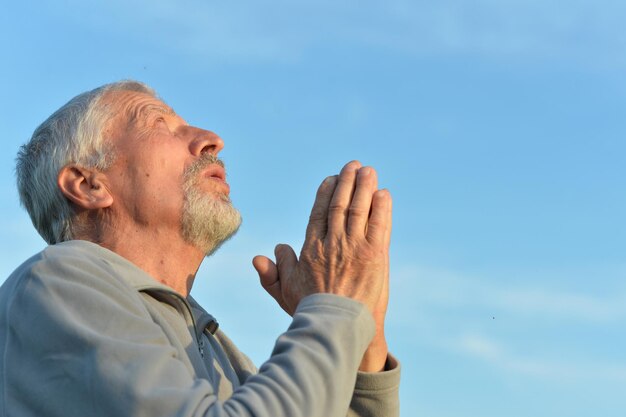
(208, 220)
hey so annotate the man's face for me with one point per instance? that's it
(207, 220)
(166, 178)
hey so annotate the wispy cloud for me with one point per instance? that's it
(435, 286)
(499, 356)
(452, 311)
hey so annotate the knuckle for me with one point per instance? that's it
(357, 212)
(332, 244)
(376, 224)
(337, 208)
(317, 214)
(312, 250)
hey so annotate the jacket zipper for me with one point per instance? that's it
(199, 341)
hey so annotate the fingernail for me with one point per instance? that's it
(365, 171)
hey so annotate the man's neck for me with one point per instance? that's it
(172, 262)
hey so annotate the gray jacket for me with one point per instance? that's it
(84, 332)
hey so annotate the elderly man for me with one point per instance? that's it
(131, 199)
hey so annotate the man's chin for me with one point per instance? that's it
(208, 222)
(224, 198)
(210, 251)
(208, 219)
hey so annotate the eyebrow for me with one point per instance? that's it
(140, 114)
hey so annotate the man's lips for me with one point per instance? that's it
(216, 172)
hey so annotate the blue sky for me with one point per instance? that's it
(498, 126)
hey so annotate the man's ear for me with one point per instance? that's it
(84, 187)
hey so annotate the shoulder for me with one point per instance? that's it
(75, 273)
(79, 261)
(64, 258)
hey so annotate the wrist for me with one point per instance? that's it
(375, 357)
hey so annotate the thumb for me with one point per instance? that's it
(266, 268)
(268, 275)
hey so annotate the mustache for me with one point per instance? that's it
(201, 164)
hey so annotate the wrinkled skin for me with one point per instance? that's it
(345, 252)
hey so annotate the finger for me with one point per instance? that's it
(387, 238)
(266, 268)
(268, 275)
(366, 185)
(378, 225)
(339, 204)
(286, 260)
(384, 297)
(316, 229)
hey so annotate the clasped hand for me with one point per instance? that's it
(346, 248)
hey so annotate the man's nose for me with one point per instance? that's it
(205, 141)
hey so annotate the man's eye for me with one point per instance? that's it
(160, 121)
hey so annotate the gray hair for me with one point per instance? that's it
(72, 135)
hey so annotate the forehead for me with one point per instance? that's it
(134, 108)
